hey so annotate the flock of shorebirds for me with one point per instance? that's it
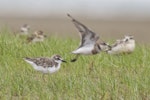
(90, 44)
(37, 36)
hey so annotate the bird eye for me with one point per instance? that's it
(57, 58)
(126, 40)
(104, 43)
(131, 38)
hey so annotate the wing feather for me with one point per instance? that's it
(45, 62)
(88, 37)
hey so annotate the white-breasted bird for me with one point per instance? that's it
(46, 64)
(125, 45)
(90, 42)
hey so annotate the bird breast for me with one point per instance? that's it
(86, 50)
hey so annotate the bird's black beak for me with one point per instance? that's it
(63, 61)
(131, 38)
(73, 60)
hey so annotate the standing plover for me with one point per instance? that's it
(125, 45)
(25, 29)
(46, 64)
(37, 36)
(90, 42)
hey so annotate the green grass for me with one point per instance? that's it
(124, 77)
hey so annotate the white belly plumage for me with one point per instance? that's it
(38, 40)
(84, 50)
(122, 48)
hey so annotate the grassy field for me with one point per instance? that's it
(124, 77)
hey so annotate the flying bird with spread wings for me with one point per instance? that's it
(90, 41)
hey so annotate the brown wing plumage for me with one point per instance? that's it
(87, 36)
(44, 62)
(29, 39)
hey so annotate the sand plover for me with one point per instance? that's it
(25, 29)
(37, 36)
(125, 45)
(46, 64)
(90, 42)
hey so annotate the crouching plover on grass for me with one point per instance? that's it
(37, 36)
(46, 64)
(125, 45)
(25, 29)
(90, 43)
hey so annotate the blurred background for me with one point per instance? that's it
(111, 19)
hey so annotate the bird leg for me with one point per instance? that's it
(75, 59)
(43, 76)
(91, 67)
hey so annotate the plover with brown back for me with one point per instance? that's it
(46, 64)
(37, 36)
(24, 30)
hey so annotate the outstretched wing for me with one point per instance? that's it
(87, 36)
